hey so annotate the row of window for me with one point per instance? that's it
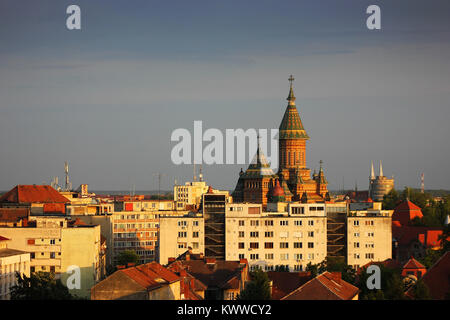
(184, 223)
(269, 234)
(368, 234)
(183, 234)
(283, 256)
(269, 245)
(368, 256)
(268, 223)
(367, 245)
(367, 222)
(183, 245)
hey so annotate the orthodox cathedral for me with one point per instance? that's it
(293, 181)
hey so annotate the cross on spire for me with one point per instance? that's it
(291, 79)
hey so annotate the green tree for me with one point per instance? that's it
(392, 287)
(258, 288)
(39, 286)
(127, 256)
(391, 200)
(421, 291)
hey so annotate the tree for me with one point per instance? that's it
(391, 200)
(39, 286)
(258, 288)
(392, 287)
(421, 291)
(128, 256)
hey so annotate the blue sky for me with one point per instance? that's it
(108, 97)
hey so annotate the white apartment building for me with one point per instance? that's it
(269, 239)
(178, 233)
(369, 236)
(11, 261)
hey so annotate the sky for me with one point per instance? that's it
(107, 97)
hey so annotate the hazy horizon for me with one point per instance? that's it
(108, 97)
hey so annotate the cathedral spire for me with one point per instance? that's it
(291, 97)
(372, 171)
(381, 169)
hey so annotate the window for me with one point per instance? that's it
(32, 255)
(284, 222)
(310, 222)
(356, 245)
(284, 256)
(268, 234)
(284, 245)
(356, 255)
(52, 255)
(254, 223)
(370, 234)
(268, 245)
(254, 245)
(241, 223)
(268, 223)
(241, 234)
(254, 234)
(310, 245)
(298, 245)
(195, 223)
(195, 234)
(298, 210)
(310, 233)
(182, 245)
(241, 245)
(356, 234)
(356, 223)
(182, 223)
(241, 256)
(254, 256)
(269, 256)
(298, 256)
(194, 245)
(369, 255)
(310, 256)
(182, 234)
(298, 222)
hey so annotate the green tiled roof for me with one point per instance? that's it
(291, 126)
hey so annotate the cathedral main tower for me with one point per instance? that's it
(293, 182)
(295, 177)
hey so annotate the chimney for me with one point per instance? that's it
(170, 260)
(188, 257)
(131, 264)
(210, 261)
(120, 267)
(201, 256)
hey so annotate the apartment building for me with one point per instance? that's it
(179, 233)
(135, 230)
(268, 239)
(55, 244)
(190, 193)
(11, 261)
(369, 235)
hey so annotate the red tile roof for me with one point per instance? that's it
(429, 237)
(326, 286)
(13, 214)
(437, 279)
(33, 194)
(4, 239)
(405, 212)
(151, 275)
(413, 264)
(284, 283)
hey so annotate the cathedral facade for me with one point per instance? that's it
(293, 181)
